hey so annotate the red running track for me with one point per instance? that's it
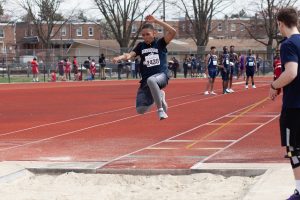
(96, 121)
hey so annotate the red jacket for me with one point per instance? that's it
(277, 68)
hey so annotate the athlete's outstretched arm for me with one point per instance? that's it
(125, 56)
(170, 31)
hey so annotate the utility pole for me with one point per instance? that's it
(164, 10)
(164, 13)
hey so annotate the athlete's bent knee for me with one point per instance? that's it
(294, 155)
(142, 110)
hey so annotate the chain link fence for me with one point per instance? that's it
(16, 66)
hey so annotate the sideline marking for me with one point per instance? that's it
(198, 165)
(228, 123)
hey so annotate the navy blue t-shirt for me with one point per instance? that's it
(290, 52)
(250, 63)
(153, 58)
(213, 62)
(226, 60)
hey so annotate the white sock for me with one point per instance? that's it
(160, 110)
(298, 185)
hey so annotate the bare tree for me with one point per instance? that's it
(121, 15)
(199, 14)
(45, 17)
(266, 13)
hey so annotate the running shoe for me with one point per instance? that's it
(231, 90)
(213, 93)
(228, 90)
(164, 103)
(206, 93)
(161, 114)
(246, 87)
(253, 86)
(295, 196)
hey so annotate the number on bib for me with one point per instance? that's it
(152, 60)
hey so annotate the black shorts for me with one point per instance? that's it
(250, 72)
(290, 127)
(225, 74)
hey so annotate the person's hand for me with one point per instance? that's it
(273, 94)
(150, 18)
(116, 59)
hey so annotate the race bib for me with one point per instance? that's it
(227, 62)
(251, 64)
(152, 60)
(215, 62)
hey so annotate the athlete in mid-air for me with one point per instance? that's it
(153, 67)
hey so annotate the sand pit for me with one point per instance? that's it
(73, 186)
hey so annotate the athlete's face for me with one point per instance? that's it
(213, 51)
(148, 35)
(225, 49)
(231, 49)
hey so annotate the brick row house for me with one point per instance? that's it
(75, 38)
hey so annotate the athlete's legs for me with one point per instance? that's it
(208, 84)
(144, 99)
(247, 80)
(155, 83)
(212, 84)
(252, 80)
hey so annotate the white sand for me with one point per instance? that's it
(72, 186)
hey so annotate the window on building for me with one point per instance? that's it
(191, 27)
(1, 33)
(63, 31)
(134, 28)
(79, 31)
(233, 27)
(159, 29)
(91, 31)
(220, 27)
(183, 27)
(242, 27)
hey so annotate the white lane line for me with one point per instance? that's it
(98, 114)
(191, 141)
(175, 136)
(64, 121)
(162, 148)
(125, 118)
(107, 112)
(207, 148)
(83, 117)
(234, 124)
(198, 165)
(255, 116)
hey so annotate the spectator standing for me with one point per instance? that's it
(75, 69)
(68, 69)
(185, 66)
(61, 71)
(35, 70)
(133, 70)
(175, 66)
(102, 63)
(93, 70)
(289, 80)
